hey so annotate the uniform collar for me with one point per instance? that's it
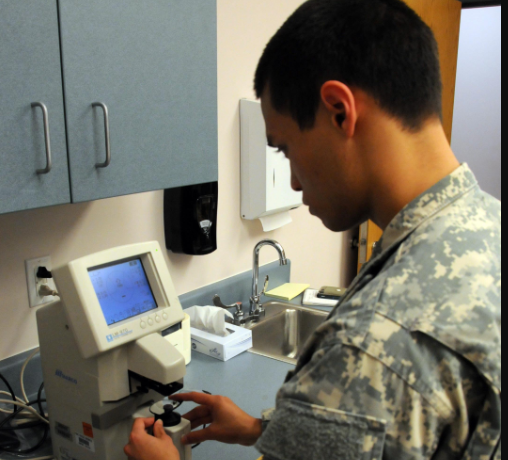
(425, 206)
(421, 209)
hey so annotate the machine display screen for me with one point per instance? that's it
(123, 290)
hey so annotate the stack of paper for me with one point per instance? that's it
(287, 291)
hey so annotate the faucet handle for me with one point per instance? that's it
(263, 292)
(238, 313)
(218, 303)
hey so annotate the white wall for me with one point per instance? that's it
(476, 136)
(70, 231)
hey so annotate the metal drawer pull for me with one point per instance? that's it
(106, 132)
(44, 109)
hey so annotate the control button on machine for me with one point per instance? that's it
(142, 325)
(164, 316)
(150, 321)
(157, 319)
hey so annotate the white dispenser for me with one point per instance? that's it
(266, 192)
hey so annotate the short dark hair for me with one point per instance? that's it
(379, 46)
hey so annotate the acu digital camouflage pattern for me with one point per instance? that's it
(408, 365)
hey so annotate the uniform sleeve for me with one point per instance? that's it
(346, 405)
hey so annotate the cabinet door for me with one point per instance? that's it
(30, 72)
(443, 17)
(154, 65)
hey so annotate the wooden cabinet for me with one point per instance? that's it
(152, 65)
(443, 17)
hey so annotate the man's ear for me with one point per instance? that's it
(340, 102)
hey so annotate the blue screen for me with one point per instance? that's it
(123, 290)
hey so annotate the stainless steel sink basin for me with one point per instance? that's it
(284, 330)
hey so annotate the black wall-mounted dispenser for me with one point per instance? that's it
(190, 218)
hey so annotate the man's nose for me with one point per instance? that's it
(295, 183)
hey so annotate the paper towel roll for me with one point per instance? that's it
(275, 221)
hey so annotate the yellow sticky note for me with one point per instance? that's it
(287, 291)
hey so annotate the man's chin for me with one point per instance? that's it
(334, 225)
(328, 223)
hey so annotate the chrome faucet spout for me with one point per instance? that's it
(255, 307)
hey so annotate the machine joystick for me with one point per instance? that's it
(169, 417)
(175, 427)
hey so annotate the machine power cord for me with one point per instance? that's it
(20, 407)
(22, 374)
(24, 407)
(11, 391)
(44, 424)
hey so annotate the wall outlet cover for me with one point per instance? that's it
(34, 283)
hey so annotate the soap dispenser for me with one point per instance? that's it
(190, 218)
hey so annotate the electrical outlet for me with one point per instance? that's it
(35, 283)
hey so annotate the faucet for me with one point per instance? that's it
(255, 308)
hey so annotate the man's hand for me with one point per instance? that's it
(142, 446)
(228, 423)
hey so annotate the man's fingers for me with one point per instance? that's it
(199, 398)
(198, 436)
(198, 412)
(128, 451)
(200, 422)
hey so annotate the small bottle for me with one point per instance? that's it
(176, 427)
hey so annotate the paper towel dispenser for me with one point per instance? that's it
(266, 192)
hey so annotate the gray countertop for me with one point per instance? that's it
(250, 380)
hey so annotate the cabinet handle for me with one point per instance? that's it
(106, 132)
(44, 109)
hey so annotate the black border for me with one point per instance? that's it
(481, 4)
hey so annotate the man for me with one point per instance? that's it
(408, 365)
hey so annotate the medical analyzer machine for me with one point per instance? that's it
(113, 347)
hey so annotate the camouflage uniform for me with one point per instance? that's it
(408, 365)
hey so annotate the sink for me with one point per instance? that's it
(282, 333)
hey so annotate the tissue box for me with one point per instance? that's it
(222, 348)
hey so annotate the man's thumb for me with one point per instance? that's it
(158, 429)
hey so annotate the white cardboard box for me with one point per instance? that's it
(222, 348)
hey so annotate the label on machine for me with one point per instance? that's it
(85, 442)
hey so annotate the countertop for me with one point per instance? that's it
(250, 380)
